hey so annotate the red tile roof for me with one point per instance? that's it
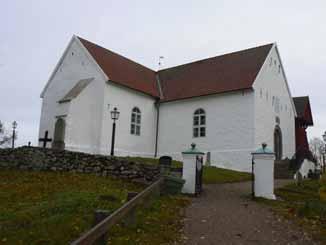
(122, 70)
(225, 73)
(302, 106)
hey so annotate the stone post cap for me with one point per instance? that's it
(193, 150)
(263, 150)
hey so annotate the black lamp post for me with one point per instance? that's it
(324, 138)
(115, 116)
(14, 126)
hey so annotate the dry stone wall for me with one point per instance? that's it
(39, 159)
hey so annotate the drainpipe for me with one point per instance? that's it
(157, 105)
(252, 178)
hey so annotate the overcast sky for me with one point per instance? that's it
(34, 34)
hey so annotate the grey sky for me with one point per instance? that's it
(34, 34)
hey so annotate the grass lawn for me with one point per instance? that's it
(159, 224)
(214, 175)
(54, 208)
(302, 204)
(211, 174)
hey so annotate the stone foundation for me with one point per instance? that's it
(40, 159)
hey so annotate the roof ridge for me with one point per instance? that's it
(225, 54)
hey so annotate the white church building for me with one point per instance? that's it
(228, 105)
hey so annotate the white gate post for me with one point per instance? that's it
(189, 169)
(264, 172)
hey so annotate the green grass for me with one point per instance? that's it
(159, 224)
(54, 208)
(303, 205)
(211, 174)
(214, 175)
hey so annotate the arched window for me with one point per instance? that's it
(135, 121)
(199, 123)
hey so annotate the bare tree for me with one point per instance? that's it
(317, 147)
(5, 136)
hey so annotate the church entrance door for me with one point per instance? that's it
(59, 134)
(278, 147)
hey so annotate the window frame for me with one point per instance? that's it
(199, 123)
(135, 121)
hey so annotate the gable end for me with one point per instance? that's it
(76, 40)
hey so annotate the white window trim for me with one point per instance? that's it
(200, 125)
(136, 123)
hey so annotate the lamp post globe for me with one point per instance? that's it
(114, 116)
(14, 125)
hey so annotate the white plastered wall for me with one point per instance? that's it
(125, 100)
(305, 167)
(229, 130)
(271, 82)
(85, 117)
(83, 114)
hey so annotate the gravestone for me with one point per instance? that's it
(165, 164)
(208, 158)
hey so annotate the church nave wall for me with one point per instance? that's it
(229, 128)
(125, 100)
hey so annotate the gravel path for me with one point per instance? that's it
(223, 214)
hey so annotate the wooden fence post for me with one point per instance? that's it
(130, 219)
(104, 220)
(155, 195)
(131, 195)
(162, 188)
(100, 215)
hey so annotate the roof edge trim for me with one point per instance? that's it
(203, 95)
(57, 66)
(128, 87)
(104, 75)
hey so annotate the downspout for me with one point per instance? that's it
(157, 105)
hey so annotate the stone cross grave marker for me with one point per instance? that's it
(45, 139)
